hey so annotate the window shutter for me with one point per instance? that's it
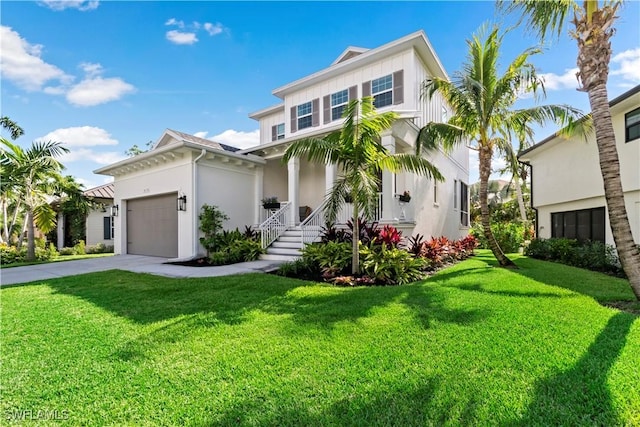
(353, 93)
(366, 89)
(274, 133)
(315, 112)
(398, 87)
(294, 119)
(326, 110)
(106, 230)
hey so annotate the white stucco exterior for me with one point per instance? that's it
(566, 172)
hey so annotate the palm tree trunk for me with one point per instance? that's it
(24, 230)
(614, 195)
(13, 221)
(485, 171)
(355, 258)
(31, 241)
(520, 197)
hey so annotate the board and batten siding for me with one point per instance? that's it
(267, 123)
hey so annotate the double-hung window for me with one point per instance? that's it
(280, 131)
(304, 115)
(382, 91)
(339, 102)
(632, 125)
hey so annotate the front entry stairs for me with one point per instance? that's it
(287, 247)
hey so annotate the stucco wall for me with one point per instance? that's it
(95, 225)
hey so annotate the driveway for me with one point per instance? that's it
(134, 263)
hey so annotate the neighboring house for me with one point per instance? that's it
(148, 186)
(567, 187)
(99, 223)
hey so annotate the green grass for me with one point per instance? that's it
(59, 258)
(473, 345)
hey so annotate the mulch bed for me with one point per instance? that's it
(632, 307)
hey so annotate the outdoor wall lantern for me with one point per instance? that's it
(182, 203)
(114, 210)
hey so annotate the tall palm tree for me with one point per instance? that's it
(593, 27)
(483, 104)
(358, 152)
(13, 128)
(34, 171)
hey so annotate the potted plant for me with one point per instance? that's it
(405, 197)
(271, 203)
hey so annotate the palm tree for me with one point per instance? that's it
(358, 152)
(15, 130)
(593, 29)
(34, 171)
(482, 101)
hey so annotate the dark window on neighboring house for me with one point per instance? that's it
(277, 132)
(584, 224)
(632, 125)
(464, 204)
(107, 228)
(455, 194)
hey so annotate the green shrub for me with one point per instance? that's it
(332, 257)
(390, 266)
(67, 251)
(509, 235)
(236, 247)
(100, 248)
(298, 268)
(211, 219)
(11, 254)
(79, 248)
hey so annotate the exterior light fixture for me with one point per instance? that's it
(114, 210)
(181, 203)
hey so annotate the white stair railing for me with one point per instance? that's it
(274, 226)
(311, 227)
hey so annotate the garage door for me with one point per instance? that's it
(152, 226)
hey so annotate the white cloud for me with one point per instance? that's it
(179, 37)
(81, 5)
(81, 136)
(237, 139)
(22, 64)
(89, 155)
(568, 80)
(202, 134)
(174, 21)
(98, 90)
(91, 69)
(213, 29)
(629, 62)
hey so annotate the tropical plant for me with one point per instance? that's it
(13, 128)
(593, 27)
(211, 220)
(33, 174)
(482, 101)
(331, 257)
(357, 150)
(391, 266)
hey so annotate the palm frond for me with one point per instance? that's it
(542, 17)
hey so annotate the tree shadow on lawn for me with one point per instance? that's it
(400, 405)
(580, 395)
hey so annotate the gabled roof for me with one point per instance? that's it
(185, 137)
(417, 41)
(615, 101)
(350, 52)
(102, 192)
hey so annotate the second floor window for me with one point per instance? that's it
(280, 131)
(304, 115)
(382, 91)
(339, 102)
(632, 125)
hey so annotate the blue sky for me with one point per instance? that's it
(102, 76)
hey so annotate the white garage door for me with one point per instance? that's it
(152, 226)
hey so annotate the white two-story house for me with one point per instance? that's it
(566, 182)
(311, 106)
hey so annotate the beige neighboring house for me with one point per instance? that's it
(566, 182)
(99, 222)
(159, 194)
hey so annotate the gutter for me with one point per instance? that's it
(194, 203)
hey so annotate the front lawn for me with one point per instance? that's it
(474, 344)
(59, 258)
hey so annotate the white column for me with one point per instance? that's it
(60, 230)
(330, 173)
(388, 193)
(258, 193)
(294, 187)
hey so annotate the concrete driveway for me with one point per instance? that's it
(134, 263)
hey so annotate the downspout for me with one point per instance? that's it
(535, 229)
(194, 203)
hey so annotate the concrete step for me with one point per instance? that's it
(283, 251)
(292, 233)
(273, 257)
(296, 239)
(286, 245)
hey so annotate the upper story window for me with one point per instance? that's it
(277, 132)
(632, 125)
(382, 91)
(339, 102)
(304, 115)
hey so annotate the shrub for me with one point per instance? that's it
(390, 266)
(301, 267)
(11, 254)
(509, 235)
(330, 233)
(390, 236)
(233, 247)
(332, 258)
(79, 248)
(211, 219)
(67, 251)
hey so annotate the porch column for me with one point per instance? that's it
(294, 186)
(330, 173)
(388, 178)
(258, 194)
(60, 230)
